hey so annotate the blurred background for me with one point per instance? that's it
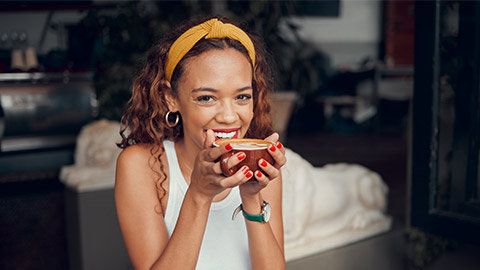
(390, 85)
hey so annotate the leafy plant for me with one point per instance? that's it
(299, 66)
(425, 248)
(125, 33)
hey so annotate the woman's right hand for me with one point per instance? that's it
(207, 179)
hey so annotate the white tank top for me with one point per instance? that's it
(225, 242)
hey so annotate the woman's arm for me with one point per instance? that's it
(266, 241)
(141, 217)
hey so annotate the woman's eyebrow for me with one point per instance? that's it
(199, 89)
(204, 89)
(244, 88)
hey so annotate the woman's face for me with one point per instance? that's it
(215, 92)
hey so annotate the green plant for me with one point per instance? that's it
(425, 248)
(299, 65)
(126, 32)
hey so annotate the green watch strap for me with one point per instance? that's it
(257, 218)
(263, 217)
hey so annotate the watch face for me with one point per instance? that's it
(266, 212)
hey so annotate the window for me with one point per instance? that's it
(445, 178)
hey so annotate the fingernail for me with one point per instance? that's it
(228, 147)
(241, 156)
(249, 174)
(245, 169)
(259, 174)
(264, 163)
(279, 145)
(272, 148)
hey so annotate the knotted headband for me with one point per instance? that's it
(210, 29)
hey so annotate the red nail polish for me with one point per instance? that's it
(241, 156)
(249, 174)
(228, 147)
(272, 148)
(279, 145)
(245, 170)
(264, 163)
(259, 174)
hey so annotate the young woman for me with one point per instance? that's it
(204, 81)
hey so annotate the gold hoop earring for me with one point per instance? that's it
(167, 115)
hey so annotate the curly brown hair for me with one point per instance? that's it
(145, 112)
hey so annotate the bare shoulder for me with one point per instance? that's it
(135, 153)
(139, 172)
(137, 157)
(136, 163)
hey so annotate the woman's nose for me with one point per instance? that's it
(227, 113)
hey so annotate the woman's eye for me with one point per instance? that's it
(244, 97)
(205, 99)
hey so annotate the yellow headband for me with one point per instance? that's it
(210, 29)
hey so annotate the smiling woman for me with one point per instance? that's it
(214, 93)
(206, 80)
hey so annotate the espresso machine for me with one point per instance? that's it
(40, 117)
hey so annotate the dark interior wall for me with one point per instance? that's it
(32, 226)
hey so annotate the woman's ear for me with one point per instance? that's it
(171, 98)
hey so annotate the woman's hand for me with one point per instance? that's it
(269, 172)
(207, 178)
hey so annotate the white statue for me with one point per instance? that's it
(96, 154)
(330, 206)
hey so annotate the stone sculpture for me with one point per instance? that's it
(331, 206)
(96, 154)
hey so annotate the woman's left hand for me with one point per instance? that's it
(269, 172)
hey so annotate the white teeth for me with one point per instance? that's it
(223, 135)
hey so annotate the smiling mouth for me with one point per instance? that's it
(225, 134)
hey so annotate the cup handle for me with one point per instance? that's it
(223, 164)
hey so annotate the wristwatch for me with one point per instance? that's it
(263, 217)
